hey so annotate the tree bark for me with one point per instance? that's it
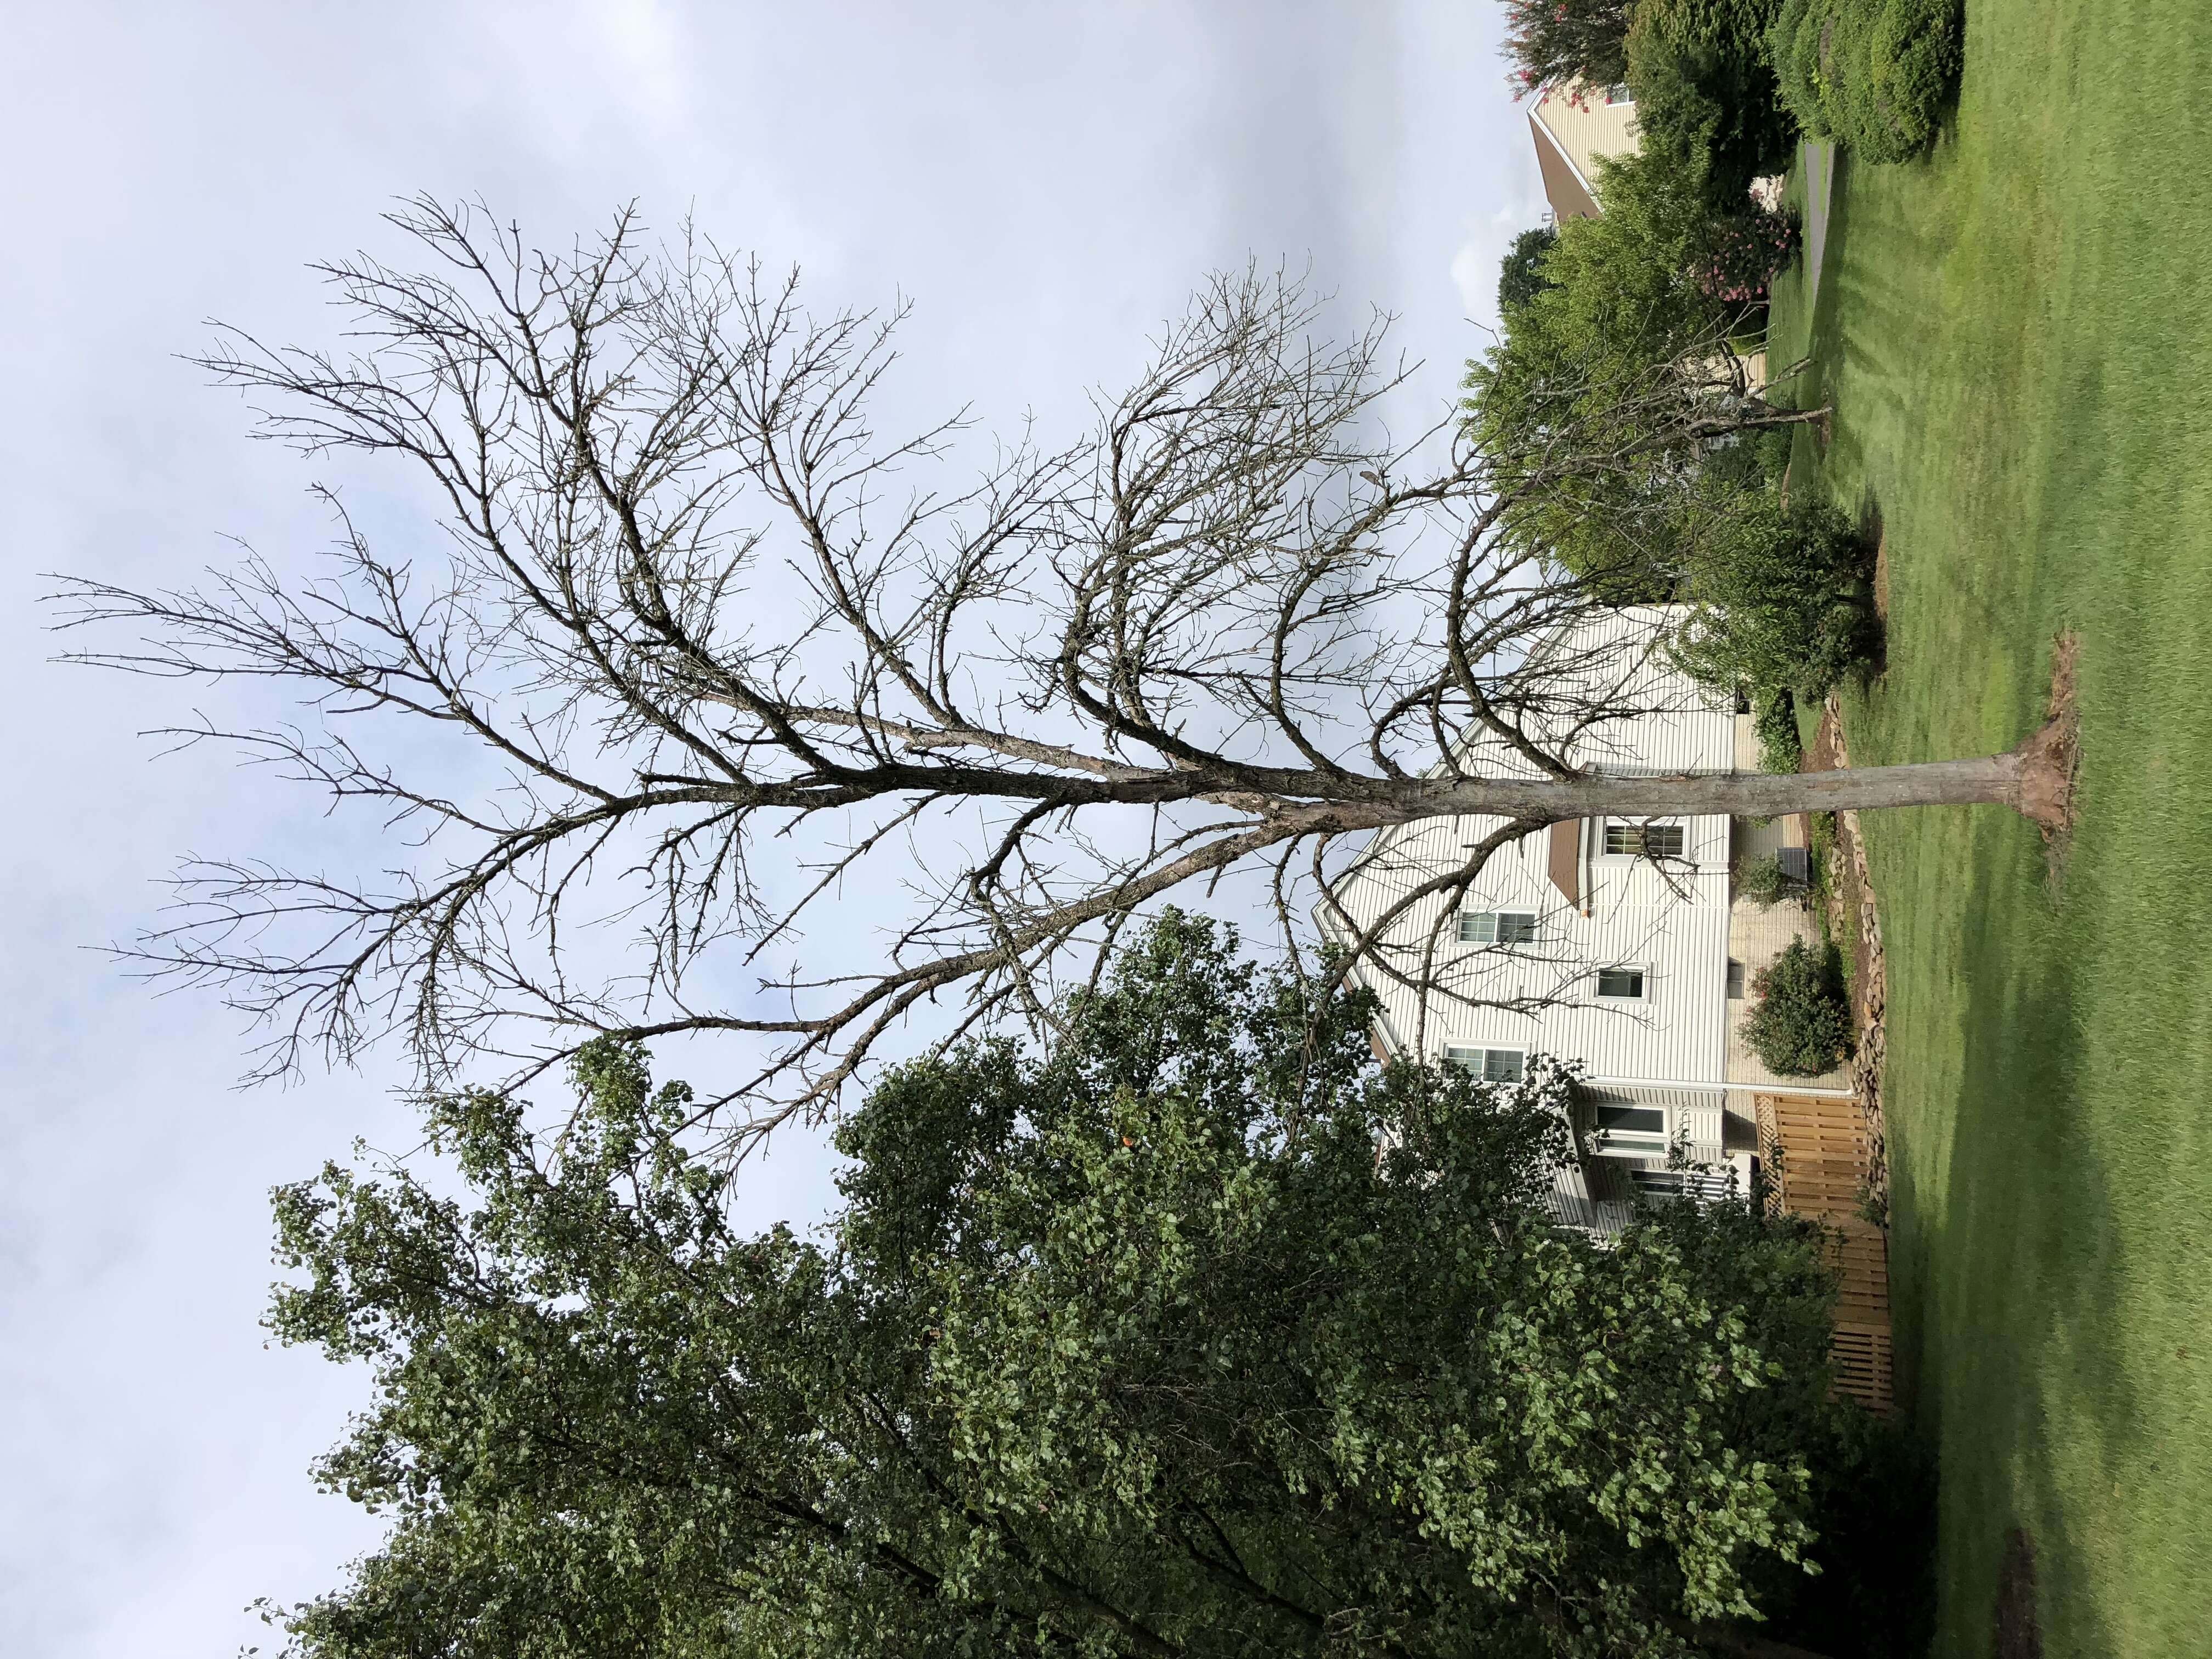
(2033, 779)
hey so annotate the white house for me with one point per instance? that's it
(1618, 943)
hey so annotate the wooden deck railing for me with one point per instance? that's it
(1815, 1150)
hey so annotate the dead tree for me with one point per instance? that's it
(704, 620)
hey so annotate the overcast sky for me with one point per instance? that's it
(1045, 182)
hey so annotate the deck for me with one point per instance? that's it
(1814, 1149)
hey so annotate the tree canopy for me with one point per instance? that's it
(1554, 41)
(1134, 1346)
(1643, 295)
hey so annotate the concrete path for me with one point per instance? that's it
(1819, 193)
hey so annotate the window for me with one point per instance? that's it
(1624, 983)
(1491, 1065)
(1618, 1114)
(1618, 93)
(1629, 1131)
(1658, 840)
(1496, 927)
(1700, 1186)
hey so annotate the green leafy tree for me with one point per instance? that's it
(1137, 1347)
(1702, 78)
(1781, 599)
(1610, 362)
(1521, 277)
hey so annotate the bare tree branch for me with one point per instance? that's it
(712, 631)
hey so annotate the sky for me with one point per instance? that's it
(1045, 183)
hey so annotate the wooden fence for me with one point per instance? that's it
(1815, 1150)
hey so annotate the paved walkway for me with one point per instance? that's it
(1819, 193)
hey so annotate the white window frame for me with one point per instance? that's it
(1620, 1141)
(1642, 992)
(1461, 1053)
(1640, 829)
(1625, 95)
(1473, 935)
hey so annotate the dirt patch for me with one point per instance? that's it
(1856, 924)
(1881, 581)
(2018, 1636)
(2054, 755)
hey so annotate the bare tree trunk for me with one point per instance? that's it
(2030, 778)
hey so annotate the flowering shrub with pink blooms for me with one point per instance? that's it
(1559, 40)
(1745, 250)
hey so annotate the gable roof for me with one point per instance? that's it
(1564, 187)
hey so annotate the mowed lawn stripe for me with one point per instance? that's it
(2016, 335)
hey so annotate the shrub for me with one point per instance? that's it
(1801, 1025)
(1521, 277)
(1752, 460)
(1764, 881)
(1874, 75)
(1700, 73)
(1780, 598)
(1774, 718)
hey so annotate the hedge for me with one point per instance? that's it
(1875, 74)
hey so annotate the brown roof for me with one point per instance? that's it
(1568, 197)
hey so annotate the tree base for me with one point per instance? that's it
(2050, 758)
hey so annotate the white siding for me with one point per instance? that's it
(1673, 925)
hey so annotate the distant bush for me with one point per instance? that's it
(1801, 1024)
(1752, 460)
(1780, 598)
(1874, 75)
(1521, 277)
(1700, 73)
(1774, 718)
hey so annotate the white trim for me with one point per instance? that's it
(1643, 982)
(1694, 1082)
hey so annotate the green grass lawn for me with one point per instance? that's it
(2016, 337)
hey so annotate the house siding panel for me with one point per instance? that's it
(1584, 134)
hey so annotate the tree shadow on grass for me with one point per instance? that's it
(2011, 1280)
